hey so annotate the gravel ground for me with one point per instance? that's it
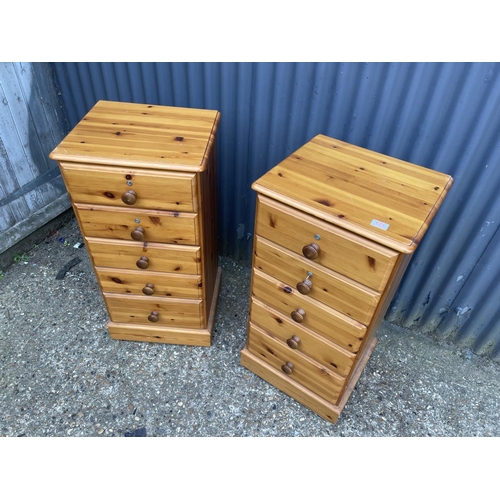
(61, 374)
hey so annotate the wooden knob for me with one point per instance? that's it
(143, 262)
(129, 197)
(149, 289)
(287, 368)
(305, 287)
(298, 315)
(293, 342)
(154, 317)
(311, 251)
(138, 234)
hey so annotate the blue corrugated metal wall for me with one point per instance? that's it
(444, 116)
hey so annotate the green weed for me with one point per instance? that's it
(21, 258)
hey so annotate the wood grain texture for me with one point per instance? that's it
(159, 334)
(157, 226)
(300, 393)
(310, 343)
(287, 385)
(358, 216)
(207, 228)
(306, 372)
(171, 312)
(330, 288)
(350, 186)
(356, 373)
(143, 184)
(168, 335)
(124, 281)
(324, 320)
(31, 121)
(215, 298)
(163, 258)
(343, 252)
(157, 190)
(141, 136)
(385, 302)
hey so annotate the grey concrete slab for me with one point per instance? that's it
(61, 374)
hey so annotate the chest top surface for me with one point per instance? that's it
(141, 136)
(382, 198)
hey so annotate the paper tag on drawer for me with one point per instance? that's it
(380, 225)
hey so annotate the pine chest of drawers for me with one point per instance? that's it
(335, 228)
(142, 182)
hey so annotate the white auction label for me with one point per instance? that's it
(380, 225)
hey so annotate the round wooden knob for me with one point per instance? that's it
(138, 234)
(298, 315)
(305, 287)
(287, 368)
(311, 251)
(154, 317)
(129, 197)
(149, 289)
(293, 342)
(143, 262)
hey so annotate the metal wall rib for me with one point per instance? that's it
(445, 116)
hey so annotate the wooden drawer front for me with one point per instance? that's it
(184, 286)
(324, 320)
(171, 312)
(163, 258)
(284, 383)
(305, 371)
(333, 289)
(154, 189)
(155, 226)
(302, 339)
(344, 252)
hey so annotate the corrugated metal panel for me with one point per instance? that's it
(31, 189)
(444, 116)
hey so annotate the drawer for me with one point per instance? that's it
(149, 283)
(337, 249)
(301, 339)
(333, 289)
(278, 379)
(295, 365)
(153, 189)
(153, 225)
(324, 320)
(170, 312)
(165, 258)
